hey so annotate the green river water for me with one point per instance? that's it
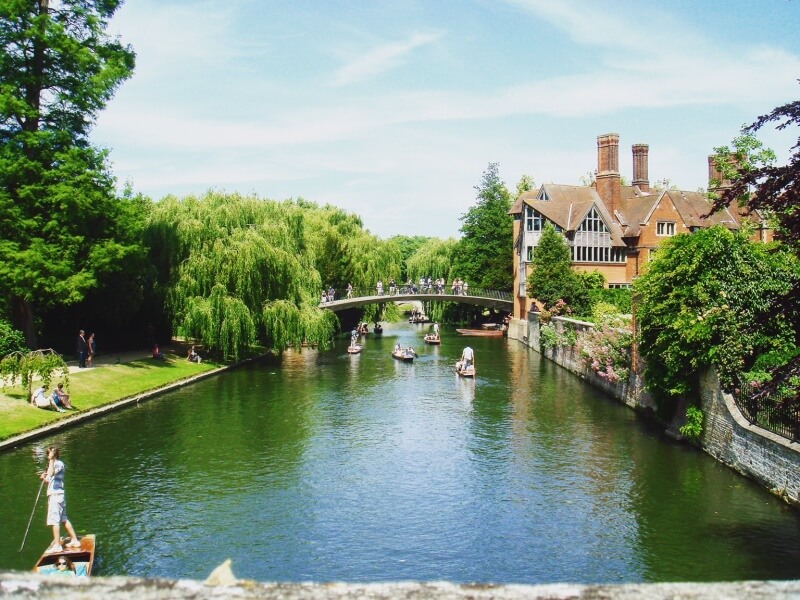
(331, 467)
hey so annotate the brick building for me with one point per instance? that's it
(611, 227)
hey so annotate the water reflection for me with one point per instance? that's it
(364, 468)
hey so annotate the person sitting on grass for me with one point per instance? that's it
(157, 354)
(61, 398)
(193, 356)
(40, 399)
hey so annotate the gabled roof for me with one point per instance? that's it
(634, 209)
(567, 205)
(691, 207)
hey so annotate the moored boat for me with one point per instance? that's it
(81, 559)
(482, 332)
(432, 339)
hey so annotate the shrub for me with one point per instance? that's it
(694, 423)
(11, 340)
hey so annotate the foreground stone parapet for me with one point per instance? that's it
(23, 586)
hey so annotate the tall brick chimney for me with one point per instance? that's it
(607, 181)
(714, 174)
(640, 167)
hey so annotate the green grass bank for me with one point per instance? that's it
(91, 389)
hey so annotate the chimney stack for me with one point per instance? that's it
(607, 181)
(640, 167)
(715, 174)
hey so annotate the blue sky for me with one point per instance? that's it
(394, 109)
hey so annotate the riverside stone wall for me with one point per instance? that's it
(28, 586)
(768, 459)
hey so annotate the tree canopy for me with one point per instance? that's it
(58, 209)
(711, 299)
(483, 255)
(242, 270)
(755, 182)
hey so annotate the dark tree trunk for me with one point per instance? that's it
(22, 318)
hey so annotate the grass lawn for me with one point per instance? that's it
(90, 388)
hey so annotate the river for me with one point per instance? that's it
(331, 467)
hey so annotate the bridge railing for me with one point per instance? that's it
(406, 290)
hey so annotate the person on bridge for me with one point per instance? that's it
(349, 290)
(379, 287)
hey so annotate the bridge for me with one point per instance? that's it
(477, 297)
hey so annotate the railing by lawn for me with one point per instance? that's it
(778, 413)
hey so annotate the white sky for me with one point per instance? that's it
(393, 109)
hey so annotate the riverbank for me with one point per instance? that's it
(117, 380)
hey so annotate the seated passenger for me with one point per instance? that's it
(65, 567)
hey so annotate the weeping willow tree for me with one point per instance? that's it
(347, 253)
(434, 259)
(239, 271)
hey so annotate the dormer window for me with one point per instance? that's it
(543, 196)
(534, 221)
(593, 222)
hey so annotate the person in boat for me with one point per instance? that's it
(436, 330)
(398, 348)
(410, 351)
(57, 501)
(65, 567)
(467, 357)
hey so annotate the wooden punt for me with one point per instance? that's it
(82, 558)
(355, 349)
(465, 371)
(482, 332)
(432, 339)
(401, 355)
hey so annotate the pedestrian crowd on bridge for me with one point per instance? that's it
(427, 285)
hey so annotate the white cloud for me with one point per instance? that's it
(381, 59)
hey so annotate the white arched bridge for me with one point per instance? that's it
(477, 297)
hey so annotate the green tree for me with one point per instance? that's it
(432, 259)
(58, 69)
(710, 299)
(552, 279)
(483, 256)
(526, 183)
(408, 246)
(758, 183)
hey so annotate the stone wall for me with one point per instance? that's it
(28, 586)
(768, 459)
